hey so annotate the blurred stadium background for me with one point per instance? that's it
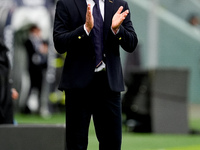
(165, 67)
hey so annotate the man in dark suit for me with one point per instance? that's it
(7, 94)
(91, 88)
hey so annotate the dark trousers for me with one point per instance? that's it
(104, 105)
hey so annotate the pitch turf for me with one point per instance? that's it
(131, 141)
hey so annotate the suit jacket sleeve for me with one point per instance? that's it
(64, 34)
(126, 38)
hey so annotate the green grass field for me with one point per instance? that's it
(131, 141)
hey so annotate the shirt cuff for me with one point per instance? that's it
(86, 30)
(114, 32)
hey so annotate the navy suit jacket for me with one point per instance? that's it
(69, 36)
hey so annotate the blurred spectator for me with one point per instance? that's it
(37, 50)
(194, 20)
(7, 94)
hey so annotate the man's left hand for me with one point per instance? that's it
(118, 18)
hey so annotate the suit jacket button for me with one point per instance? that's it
(79, 37)
(120, 38)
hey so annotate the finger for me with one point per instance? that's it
(88, 13)
(119, 10)
(88, 9)
(88, 6)
(125, 13)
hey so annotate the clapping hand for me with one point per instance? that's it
(118, 18)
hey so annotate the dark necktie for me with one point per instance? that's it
(98, 33)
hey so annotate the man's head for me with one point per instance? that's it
(35, 30)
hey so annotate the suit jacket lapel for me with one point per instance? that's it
(108, 16)
(82, 7)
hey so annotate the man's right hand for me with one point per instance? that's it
(89, 23)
